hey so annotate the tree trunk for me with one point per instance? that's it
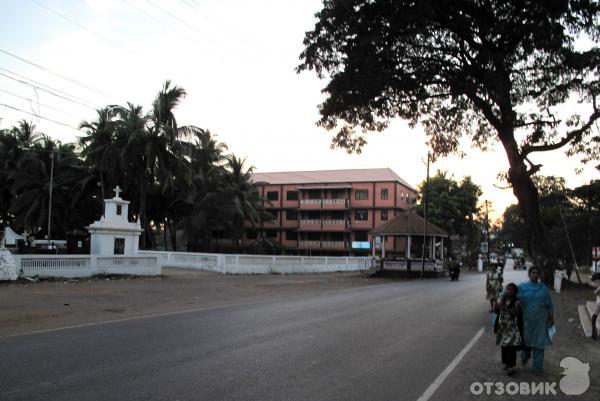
(527, 194)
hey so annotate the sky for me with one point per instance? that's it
(236, 59)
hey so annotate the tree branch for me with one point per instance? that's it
(575, 134)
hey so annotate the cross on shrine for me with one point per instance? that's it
(117, 191)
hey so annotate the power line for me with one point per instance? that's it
(38, 103)
(160, 22)
(84, 28)
(182, 21)
(53, 73)
(41, 85)
(48, 91)
(42, 117)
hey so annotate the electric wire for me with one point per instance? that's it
(117, 44)
(38, 103)
(39, 116)
(53, 72)
(48, 91)
(42, 85)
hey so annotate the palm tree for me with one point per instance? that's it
(26, 134)
(102, 147)
(244, 199)
(31, 186)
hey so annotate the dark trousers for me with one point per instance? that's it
(509, 355)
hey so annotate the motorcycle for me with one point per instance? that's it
(455, 272)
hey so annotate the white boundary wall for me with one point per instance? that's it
(70, 266)
(259, 264)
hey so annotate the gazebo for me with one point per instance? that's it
(412, 227)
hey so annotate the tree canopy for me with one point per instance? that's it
(488, 70)
(451, 204)
(178, 178)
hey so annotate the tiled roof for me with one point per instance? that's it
(408, 223)
(330, 176)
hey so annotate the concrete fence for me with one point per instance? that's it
(259, 264)
(71, 266)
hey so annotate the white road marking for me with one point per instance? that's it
(440, 379)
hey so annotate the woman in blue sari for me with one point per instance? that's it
(537, 317)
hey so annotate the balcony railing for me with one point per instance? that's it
(304, 222)
(335, 204)
(310, 201)
(311, 244)
(334, 222)
(333, 244)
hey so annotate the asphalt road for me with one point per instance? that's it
(382, 342)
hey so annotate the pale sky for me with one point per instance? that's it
(236, 60)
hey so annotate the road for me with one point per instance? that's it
(382, 342)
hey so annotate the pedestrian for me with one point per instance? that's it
(493, 286)
(508, 327)
(538, 310)
(595, 315)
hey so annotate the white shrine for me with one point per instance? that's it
(114, 234)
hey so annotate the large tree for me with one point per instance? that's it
(489, 70)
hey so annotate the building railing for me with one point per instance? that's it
(70, 266)
(334, 222)
(334, 244)
(310, 243)
(310, 221)
(259, 264)
(310, 201)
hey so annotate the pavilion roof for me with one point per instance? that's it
(408, 223)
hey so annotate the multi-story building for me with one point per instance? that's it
(331, 212)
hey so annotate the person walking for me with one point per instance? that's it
(493, 286)
(538, 310)
(508, 327)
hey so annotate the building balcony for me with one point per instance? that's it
(336, 204)
(324, 204)
(335, 225)
(310, 225)
(310, 244)
(334, 245)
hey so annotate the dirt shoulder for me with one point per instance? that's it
(26, 306)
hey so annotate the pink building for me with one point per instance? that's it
(330, 212)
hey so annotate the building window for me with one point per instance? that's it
(292, 195)
(291, 214)
(271, 233)
(361, 194)
(384, 215)
(361, 215)
(251, 234)
(384, 193)
(119, 246)
(272, 195)
(119, 210)
(361, 236)
(291, 235)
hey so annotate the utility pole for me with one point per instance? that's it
(50, 197)
(487, 232)
(425, 224)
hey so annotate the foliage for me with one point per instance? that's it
(177, 177)
(491, 71)
(563, 210)
(451, 205)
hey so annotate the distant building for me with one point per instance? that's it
(330, 212)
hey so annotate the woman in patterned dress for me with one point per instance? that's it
(493, 286)
(509, 327)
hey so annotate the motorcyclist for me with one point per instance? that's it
(454, 269)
